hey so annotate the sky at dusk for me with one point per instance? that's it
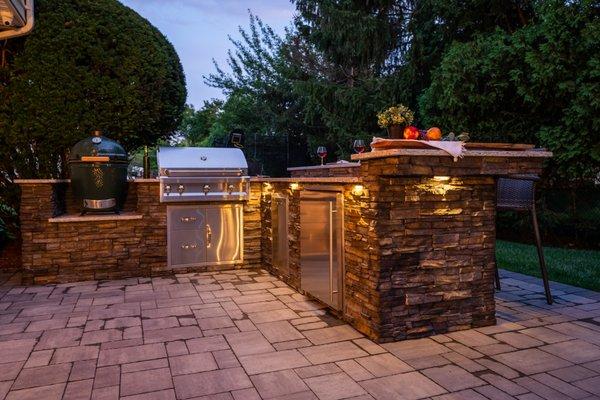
(199, 28)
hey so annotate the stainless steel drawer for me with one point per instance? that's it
(186, 218)
(187, 247)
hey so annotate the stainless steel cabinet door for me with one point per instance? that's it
(224, 240)
(279, 227)
(321, 246)
(187, 247)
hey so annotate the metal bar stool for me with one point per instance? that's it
(517, 193)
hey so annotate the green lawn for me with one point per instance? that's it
(574, 267)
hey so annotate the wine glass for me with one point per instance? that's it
(359, 146)
(322, 152)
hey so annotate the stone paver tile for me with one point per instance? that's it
(468, 394)
(546, 335)
(107, 376)
(493, 393)
(253, 298)
(225, 359)
(4, 388)
(279, 383)
(77, 353)
(576, 351)
(427, 362)
(531, 361)
(468, 351)
(591, 385)
(159, 323)
(332, 334)
(168, 394)
(464, 362)
(369, 346)
(354, 370)
(408, 386)
(245, 343)
(539, 389)
(79, 390)
(518, 340)
(499, 368)
(105, 335)
(210, 382)
(55, 323)
(262, 306)
(145, 365)
(292, 344)
(245, 325)
(56, 338)
(560, 386)
(279, 331)
(245, 394)
(312, 325)
(308, 395)
(145, 381)
(384, 364)
(418, 348)
(177, 348)
(83, 370)
(122, 322)
(573, 373)
(273, 361)
(16, 350)
(42, 376)
(503, 384)
(334, 387)
(577, 331)
(317, 370)
(170, 334)
(39, 358)
(131, 354)
(215, 323)
(274, 315)
(189, 364)
(211, 343)
(332, 352)
(453, 378)
(472, 338)
(107, 393)
(496, 348)
(177, 311)
(9, 371)
(51, 392)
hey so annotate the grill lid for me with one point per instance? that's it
(98, 148)
(201, 159)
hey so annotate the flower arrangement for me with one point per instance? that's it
(395, 115)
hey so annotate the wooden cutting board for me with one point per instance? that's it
(420, 144)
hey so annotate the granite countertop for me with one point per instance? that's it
(123, 216)
(441, 153)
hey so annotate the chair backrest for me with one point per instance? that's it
(516, 193)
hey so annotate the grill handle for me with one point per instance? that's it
(208, 235)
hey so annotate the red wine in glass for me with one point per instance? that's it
(359, 146)
(322, 152)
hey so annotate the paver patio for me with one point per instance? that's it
(245, 335)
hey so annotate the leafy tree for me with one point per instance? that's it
(538, 85)
(89, 64)
(195, 125)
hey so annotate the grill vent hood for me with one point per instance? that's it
(201, 158)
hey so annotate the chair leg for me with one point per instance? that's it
(496, 271)
(540, 251)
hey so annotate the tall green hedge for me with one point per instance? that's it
(88, 64)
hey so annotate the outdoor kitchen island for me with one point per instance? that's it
(416, 237)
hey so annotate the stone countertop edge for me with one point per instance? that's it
(50, 181)
(441, 153)
(315, 179)
(326, 166)
(125, 216)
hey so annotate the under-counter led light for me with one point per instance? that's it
(358, 190)
(294, 186)
(441, 178)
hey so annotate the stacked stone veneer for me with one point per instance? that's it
(107, 249)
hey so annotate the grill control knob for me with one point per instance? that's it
(167, 189)
(206, 189)
(180, 189)
(230, 188)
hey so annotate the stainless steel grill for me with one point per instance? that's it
(202, 174)
(201, 233)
